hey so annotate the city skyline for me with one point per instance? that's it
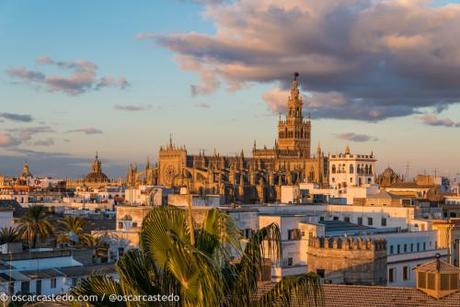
(74, 81)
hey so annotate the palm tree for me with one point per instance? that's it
(10, 235)
(204, 273)
(72, 230)
(34, 225)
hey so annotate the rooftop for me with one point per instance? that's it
(77, 271)
(375, 296)
(343, 226)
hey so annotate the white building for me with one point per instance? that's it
(44, 271)
(148, 195)
(347, 169)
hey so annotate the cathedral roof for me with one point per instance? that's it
(388, 172)
(96, 174)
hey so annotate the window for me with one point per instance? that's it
(346, 219)
(134, 224)
(405, 248)
(405, 273)
(360, 220)
(384, 221)
(370, 221)
(412, 247)
(391, 250)
(38, 286)
(294, 234)
(321, 218)
(320, 272)
(399, 248)
(422, 280)
(290, 261)
(335, 218)
(418, 246)
(424, 246)
(445, 282)
(391, 275)
(53, 283)
(120, 224)
(351, 179)
(431, 281)
(25, 287)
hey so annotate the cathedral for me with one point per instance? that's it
(257, 178)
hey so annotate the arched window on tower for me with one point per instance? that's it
(352, 169)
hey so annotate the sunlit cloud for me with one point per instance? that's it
(434, 120)
(82, 77)
(355, 137)
(366, 60)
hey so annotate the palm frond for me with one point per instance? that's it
(102, 286)
(157, 227)
(304, 290)
(265, 244)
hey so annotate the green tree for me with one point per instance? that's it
(197, 263)
(73, 232)
(34, 225)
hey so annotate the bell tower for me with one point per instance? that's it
(294, 132)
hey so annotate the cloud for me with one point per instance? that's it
(14, 137)
(203, 105)
(17, 117)
(82, 77)
(110, 81)
(26, 75)
(354, 137)
(374, 59)
(433, 120)
(6, 140)
(26, 134)
(46, 142)
(132, 108)
(86, 131)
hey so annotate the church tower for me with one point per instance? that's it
(294, 133)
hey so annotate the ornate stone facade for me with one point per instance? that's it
(240, 178)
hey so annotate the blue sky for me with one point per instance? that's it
(106, 33)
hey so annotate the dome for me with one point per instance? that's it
(388, 172)
(96, 174)
(96, 177)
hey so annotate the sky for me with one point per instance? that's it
(119, 77)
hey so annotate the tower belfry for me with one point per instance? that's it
(294, 132)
